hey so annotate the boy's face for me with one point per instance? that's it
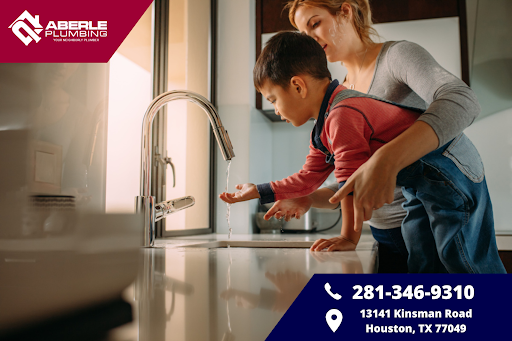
(288, 103)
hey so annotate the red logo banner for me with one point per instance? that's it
(63, 31)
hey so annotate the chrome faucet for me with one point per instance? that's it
(145, 203)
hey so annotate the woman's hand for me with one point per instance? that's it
(334, 244)
(373, 185)
(289, 208)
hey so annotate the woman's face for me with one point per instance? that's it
(331, 32)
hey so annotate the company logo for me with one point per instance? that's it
(30, 34)
(59, 31)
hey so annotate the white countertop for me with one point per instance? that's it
(183, 291)
(236, 293)
(504, 242)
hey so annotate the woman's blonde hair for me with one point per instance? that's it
(362, 14)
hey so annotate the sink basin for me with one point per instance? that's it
(253, 244)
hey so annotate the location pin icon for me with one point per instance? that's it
(334, 318)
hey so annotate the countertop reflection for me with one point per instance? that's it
(185, 293)
(67, 284)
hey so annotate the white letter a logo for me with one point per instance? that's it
(19, 24)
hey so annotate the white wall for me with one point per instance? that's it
(291, 146)
(490, 52)
(491, 55)
(492, 136)
(249, 131)
(440, 37)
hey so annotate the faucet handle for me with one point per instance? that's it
(165, 208)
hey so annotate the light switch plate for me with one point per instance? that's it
(45, 168)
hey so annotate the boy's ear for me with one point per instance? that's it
(299, 86)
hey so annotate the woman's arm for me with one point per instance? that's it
(451, 105)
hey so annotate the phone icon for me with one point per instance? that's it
(327, 287)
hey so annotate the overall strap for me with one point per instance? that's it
(345, 94)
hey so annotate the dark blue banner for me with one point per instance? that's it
(399, 307)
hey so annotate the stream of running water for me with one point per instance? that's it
(227, 204)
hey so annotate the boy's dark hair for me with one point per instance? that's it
(289, 54)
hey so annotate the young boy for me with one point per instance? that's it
(449, 223)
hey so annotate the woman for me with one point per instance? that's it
(401, 72)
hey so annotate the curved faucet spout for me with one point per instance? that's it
(144, 203)
(147, 126)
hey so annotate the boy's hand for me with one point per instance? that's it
(289, 208)
(246, 192)
(334, 244)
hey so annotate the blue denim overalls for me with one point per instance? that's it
(449, 226)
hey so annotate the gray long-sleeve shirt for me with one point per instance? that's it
(406, 73)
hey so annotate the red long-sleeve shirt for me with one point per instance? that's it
(354, 129)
